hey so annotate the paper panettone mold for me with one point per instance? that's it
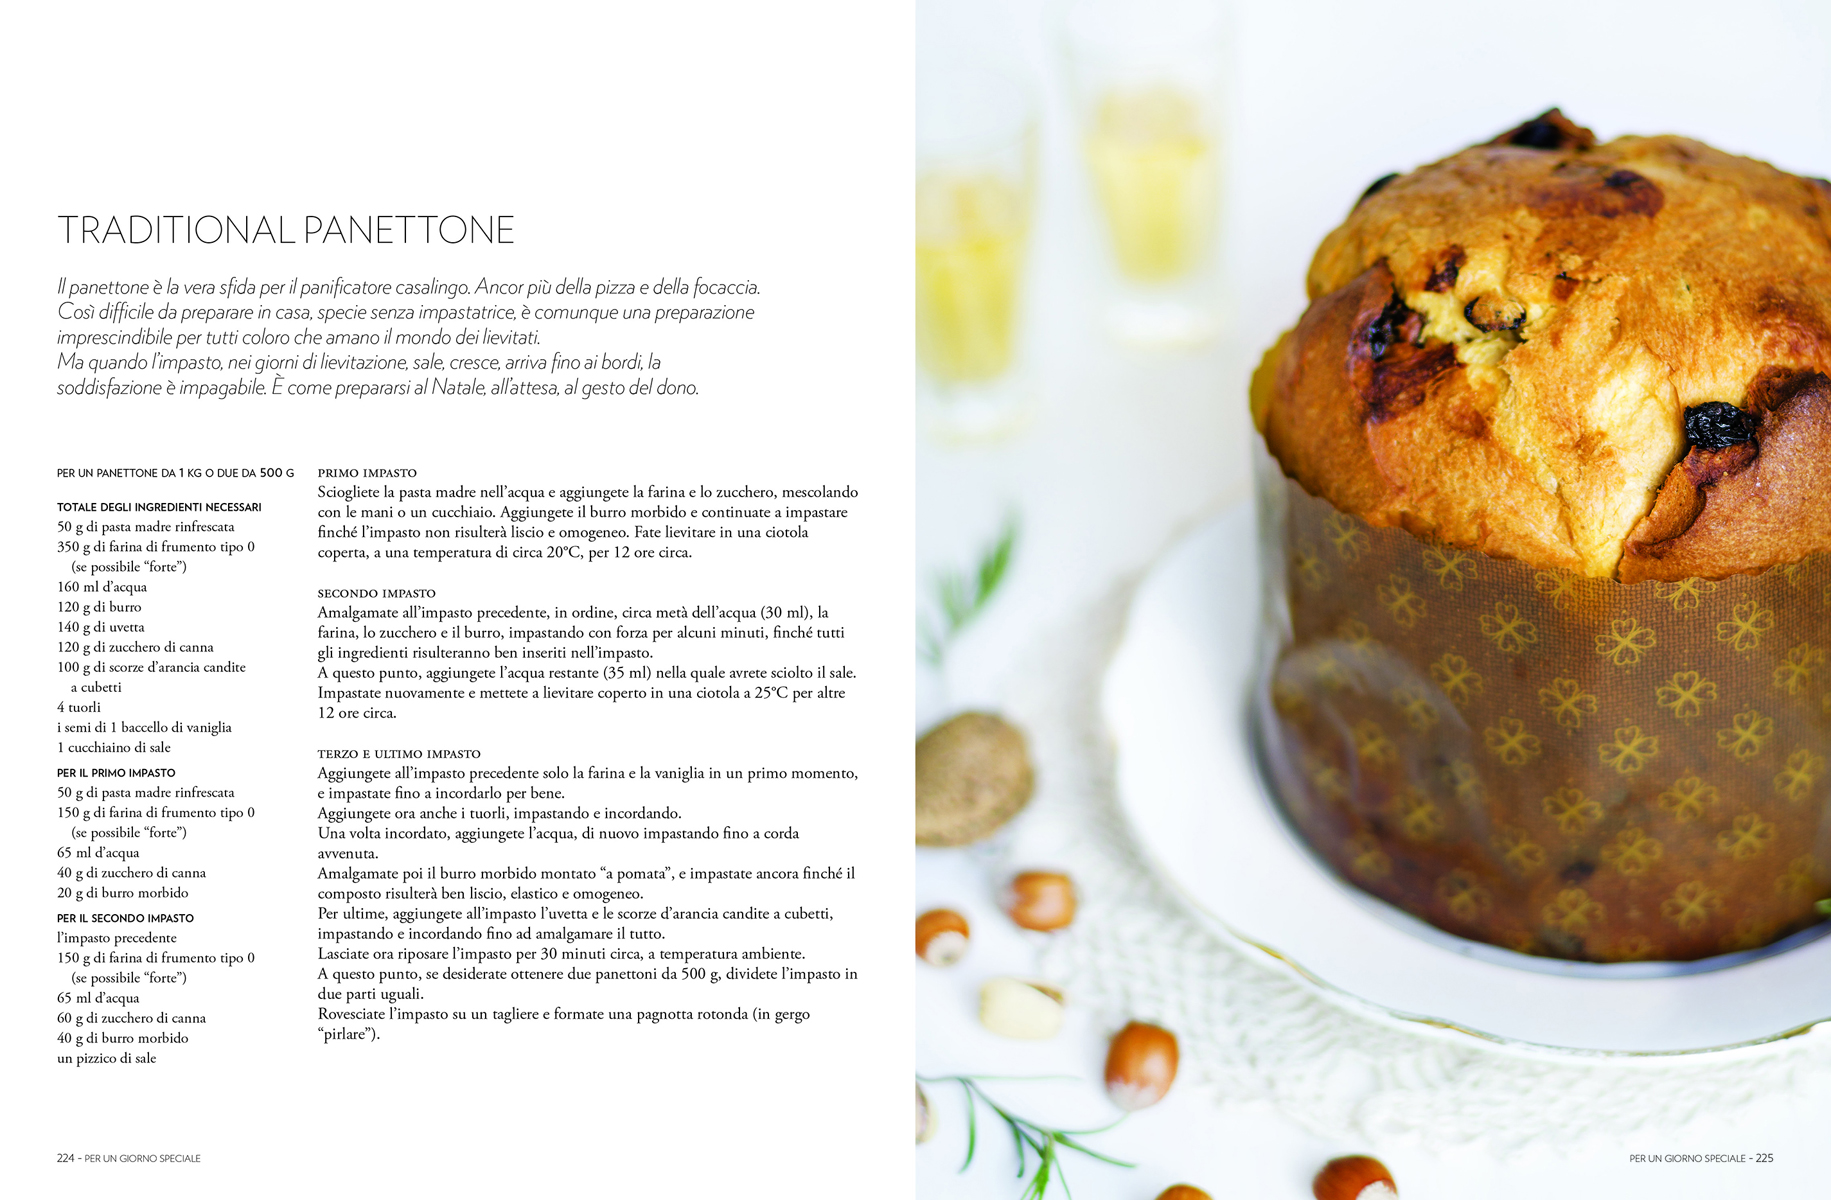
(1558, 765)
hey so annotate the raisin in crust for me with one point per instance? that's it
(1501, 349)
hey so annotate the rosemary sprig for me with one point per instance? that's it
(961, 596)
(1029, 1137)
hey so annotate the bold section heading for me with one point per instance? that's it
(399, 229)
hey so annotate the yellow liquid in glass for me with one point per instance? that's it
(1154, 169)
(969, 255)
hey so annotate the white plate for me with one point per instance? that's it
(1175, 699)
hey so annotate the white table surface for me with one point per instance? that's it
(1131, 449)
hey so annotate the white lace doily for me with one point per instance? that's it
(1251, 1033)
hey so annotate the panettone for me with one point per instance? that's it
(1553, 413)
(1502, 350)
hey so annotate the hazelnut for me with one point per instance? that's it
(925, 1116)
(1140, 1066)
(972, 775)
(1041, 900)
(1019, 1008)
(1183, 1191)
(1355, 1177)
(941, 937)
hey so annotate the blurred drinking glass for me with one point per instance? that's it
(1148, 78)
(975, 181)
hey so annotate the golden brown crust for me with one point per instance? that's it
(1501, 347)
(1744, 509)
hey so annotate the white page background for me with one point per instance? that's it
(631, 141)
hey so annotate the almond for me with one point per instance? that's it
(1020, 1008)
(972, 774)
